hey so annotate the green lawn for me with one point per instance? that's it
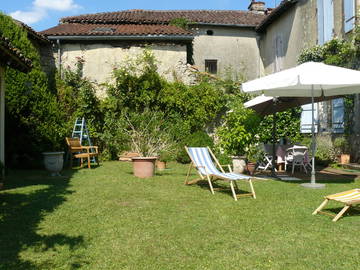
(105, 218)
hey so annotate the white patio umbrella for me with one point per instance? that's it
(307, 80)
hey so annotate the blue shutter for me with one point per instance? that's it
(320, 20)
(306, 118)
(338, 115)
(325, 20)
(349, 15)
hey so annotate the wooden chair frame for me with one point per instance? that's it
(341, 197)
(76, 150)
(211, 177)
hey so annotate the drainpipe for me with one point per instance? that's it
(59, 56)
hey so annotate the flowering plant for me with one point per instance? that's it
(254, 151)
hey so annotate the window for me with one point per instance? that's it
(325, 16)
(211, 66)
(337, 115)
(306, 118)
(209, 32)
(349, 15)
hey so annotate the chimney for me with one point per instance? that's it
(257, 7)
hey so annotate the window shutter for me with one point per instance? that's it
(349, 15)
(279, 52)
(306, 118)
(325, 20)
(338, 115)
(320, 20)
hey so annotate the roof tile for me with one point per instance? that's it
(230, 17)
(86, 29)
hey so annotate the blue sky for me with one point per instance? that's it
(43, 14)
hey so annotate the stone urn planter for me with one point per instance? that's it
(143, 167)
(54, 162)
(239, 164)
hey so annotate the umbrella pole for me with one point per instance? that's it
(313, 177)
(273, 164)
(313, 184)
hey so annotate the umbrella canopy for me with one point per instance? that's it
(326, 80)
(265, 105)
(307, 80)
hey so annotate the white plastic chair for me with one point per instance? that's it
(295, 156)
(266, 162)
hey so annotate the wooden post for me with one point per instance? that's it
(2, 117)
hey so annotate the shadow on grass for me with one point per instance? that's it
(326, 177)
(224, 187)
(21, 212)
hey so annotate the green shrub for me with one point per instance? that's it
(197, 139)
(287, 126)
(341, 145)
(325, 151)
(239, 130)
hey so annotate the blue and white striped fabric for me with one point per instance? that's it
(202, 159)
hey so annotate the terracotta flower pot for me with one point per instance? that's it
(160, 165)
(345, 159)
(251, 167)
(143, 167)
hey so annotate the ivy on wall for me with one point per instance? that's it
(338, 52)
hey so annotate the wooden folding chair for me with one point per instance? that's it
(76, 150)
(349, 198)
(203, 159)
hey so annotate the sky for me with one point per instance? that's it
(43, 14)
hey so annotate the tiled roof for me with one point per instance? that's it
(13, 56)
(230, 17)
(32, 32)
(85, 29)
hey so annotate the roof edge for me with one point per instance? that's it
(137, 37)
(278, 11)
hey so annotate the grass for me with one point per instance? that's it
(105, 218)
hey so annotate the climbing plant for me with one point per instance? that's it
(338, 52)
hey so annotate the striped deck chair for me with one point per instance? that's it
(203, 161)
(349, 198)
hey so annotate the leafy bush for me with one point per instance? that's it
(197, 139)
(325, 151)
(287, 126)
(32, 108)
(239, 130)
(341, 145)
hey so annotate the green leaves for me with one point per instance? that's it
(239, 130)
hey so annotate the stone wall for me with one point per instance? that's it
(234, 48)
(101, 58)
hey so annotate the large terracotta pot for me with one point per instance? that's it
(53, 162)
(143, 167)
(251, 167)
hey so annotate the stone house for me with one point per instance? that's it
(254, 43)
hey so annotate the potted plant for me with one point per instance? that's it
(164, 157)
(148, 137)
(239, 131)
(342, 149)
(254, 153)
